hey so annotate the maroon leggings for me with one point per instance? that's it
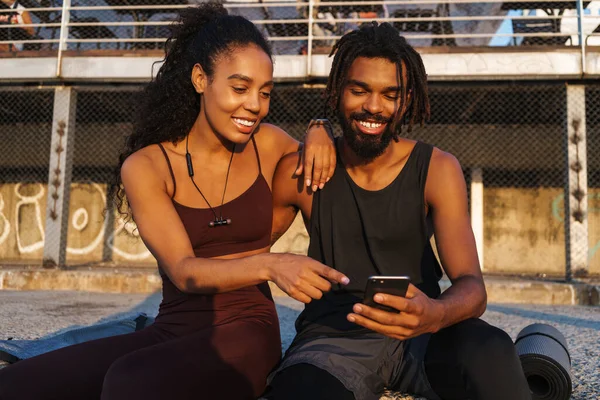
(227, 361)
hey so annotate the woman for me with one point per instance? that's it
(197, 174)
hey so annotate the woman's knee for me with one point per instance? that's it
(123, 380)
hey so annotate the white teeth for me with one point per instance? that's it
(371, 125)
(244, 122)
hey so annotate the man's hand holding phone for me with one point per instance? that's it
(417, 314)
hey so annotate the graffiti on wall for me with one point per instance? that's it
(86, 223)
(80, 220)
(3, 222)
(24, 202)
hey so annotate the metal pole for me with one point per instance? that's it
(580, 16)
(477, 211)
(576, 196)
(311, 5)
(59, 177)
(64, 35)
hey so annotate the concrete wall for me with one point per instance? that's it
(524, 229)
(22, 221)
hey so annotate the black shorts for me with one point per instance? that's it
(366, 364)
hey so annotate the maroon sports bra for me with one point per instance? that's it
(251, 215)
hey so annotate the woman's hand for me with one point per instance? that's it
(318, 154)
(303, 278)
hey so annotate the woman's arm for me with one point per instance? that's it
(317, 153)
(285, 195)
(165, 236)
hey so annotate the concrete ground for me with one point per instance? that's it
(32, 314)
(115, 279)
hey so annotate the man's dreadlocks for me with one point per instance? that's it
(381, 41)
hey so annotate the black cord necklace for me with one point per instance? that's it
(219, 220)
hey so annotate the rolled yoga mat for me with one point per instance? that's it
(546, 362)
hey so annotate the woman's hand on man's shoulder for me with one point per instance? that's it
(317, 155)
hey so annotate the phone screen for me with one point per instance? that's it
(393, 285)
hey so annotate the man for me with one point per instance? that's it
(376, 215)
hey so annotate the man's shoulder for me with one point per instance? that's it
(441, 159)
(438, 159)
(445, 174)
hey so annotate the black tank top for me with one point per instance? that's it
(362, 233)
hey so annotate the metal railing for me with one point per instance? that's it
(304, 27)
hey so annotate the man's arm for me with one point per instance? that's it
(446, 195)
(446, 198)
(27, 20)
(289, 196)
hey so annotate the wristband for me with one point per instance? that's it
(324, 122)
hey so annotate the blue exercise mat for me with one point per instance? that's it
(15, 350)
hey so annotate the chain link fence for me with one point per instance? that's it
(97, 232)
(512, 138)
(592, 99)
(25, 126)
(30, 26)
(119, 25)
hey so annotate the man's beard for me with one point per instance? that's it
(367, 147)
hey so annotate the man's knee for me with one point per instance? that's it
(305, 381)
(480, 344)
(482, 356)
(497, 345)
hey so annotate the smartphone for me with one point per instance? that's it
(394, 285)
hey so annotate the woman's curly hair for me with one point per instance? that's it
(169, 105)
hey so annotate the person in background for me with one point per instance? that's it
(18, 17)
